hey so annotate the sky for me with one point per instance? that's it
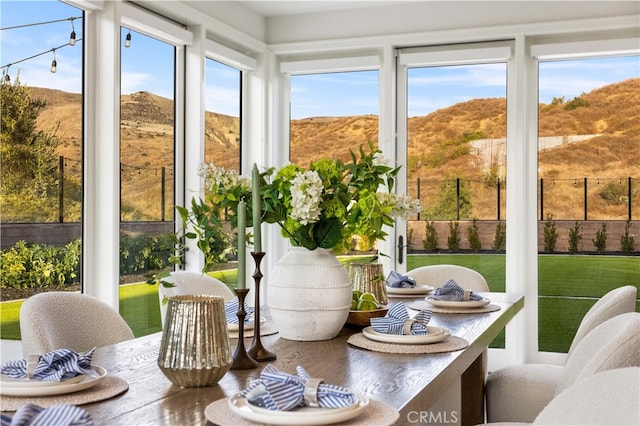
(148, 66)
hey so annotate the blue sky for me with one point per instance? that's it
(147, 66)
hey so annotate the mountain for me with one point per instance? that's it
(439, 143)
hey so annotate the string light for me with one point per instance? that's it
(5, 78)
(72, 36)
(54, 63)
(127, 40)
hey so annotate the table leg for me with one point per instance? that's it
(472, 392)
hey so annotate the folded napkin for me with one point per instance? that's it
(451, 291)
(58, 415)
(53, 366)
(396, 279)
(397, 321)
(231, 311)
(275, 390)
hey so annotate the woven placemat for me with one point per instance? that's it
(453, 343)
(265, 330)
(376, 413)
(107, 388)
(420, 305)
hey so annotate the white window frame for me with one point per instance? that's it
(544, 50)
(469, 54)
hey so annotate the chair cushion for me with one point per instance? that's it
(613, 344)
(608, 398)
(518, 393)
(616, 302)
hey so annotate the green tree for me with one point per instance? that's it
(29, 162)
(444, 207)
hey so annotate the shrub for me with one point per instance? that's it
(474, 237)
(550, 235)
(453, 240)
(142, 253)
(40, 265)
(430, 241)
(575, 236)
(600, 241)
(627, 241)
(615, 193)
(500, 237)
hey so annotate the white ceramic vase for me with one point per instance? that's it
(309, 294)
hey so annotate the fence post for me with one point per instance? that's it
(162, 195)
(61, 189)
(498, 199)
(457, 198)
(585, 199)
(629, 192)
(419, 197)
(541, 198)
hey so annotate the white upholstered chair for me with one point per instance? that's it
(607, 398)
(438, 275)
(60, 319)
(191, 283)
(521, 397)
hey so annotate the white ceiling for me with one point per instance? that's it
(297, 7)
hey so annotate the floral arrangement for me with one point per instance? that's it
(324, 205)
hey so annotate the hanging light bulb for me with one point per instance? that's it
(54, 63)
(5, 78)
(72, 37)
(127, 40)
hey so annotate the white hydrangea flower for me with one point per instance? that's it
(306, 195)
(402, 206)
(223, 178)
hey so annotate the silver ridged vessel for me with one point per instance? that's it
(195, 350)
(369, 278)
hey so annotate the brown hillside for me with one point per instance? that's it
(437, 144)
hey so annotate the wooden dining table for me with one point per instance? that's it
(442, 386)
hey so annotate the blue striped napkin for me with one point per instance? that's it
(397, 321)
(53, 366)
(231, 312)
(275, 390)
(58, 415)
(396, 279)
(451, 291)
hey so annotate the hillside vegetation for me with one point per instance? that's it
(439, 143)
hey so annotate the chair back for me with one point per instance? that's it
(607, 398)
(618, 301)
(613, 344)
(187, 282)
(60, 319)
(438, 275)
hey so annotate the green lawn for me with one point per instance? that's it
(569, 286)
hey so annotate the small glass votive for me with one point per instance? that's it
(195, 350)
(369, 278)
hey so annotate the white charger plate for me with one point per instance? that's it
(300, 416)
(465, 304)
(23, 387)
(418, 289)
(435, 335)
(231, 326)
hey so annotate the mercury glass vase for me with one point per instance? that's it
(369, 278)
(195, 351)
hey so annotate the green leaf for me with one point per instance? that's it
(328, 233)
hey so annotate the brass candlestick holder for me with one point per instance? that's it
(241, 360)
(256, 350)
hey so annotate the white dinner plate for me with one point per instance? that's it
(24, 387)
(465, 304)
(418, 289)
(299, 416)
(435, 335)
(232, 326)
